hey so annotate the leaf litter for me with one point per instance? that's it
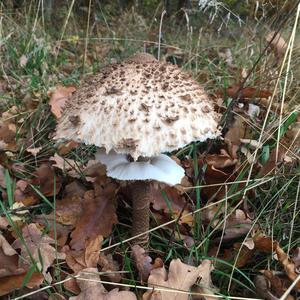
(88, 216)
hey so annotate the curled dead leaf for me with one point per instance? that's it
(142, 261)
(58, 99)
(268, 245)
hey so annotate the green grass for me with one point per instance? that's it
(276, 209)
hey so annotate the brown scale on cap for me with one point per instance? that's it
(117, 108)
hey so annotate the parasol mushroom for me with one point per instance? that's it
(134, 112)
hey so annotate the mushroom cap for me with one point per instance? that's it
(160, 168)
(140, 107)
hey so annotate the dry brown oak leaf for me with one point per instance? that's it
(92, 289)
(98, 216)
(39, 246)
(177, 204)
(11, 276)
(267, 244)
(3, 223)
(180, 279)
(11, 283)
(8, 259)
(110, 267)
(58, 99)
(86, 258)
(43, 179)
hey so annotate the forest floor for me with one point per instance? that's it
(231, 230)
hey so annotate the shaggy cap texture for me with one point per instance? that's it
(140, 107)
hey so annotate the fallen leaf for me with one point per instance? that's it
(99, 205)
(205, 286)
(46, 180)
(237, 224)
(3, 86)
(75, 188)
(278, 45)
(188, 241)
(69, 166)
(110, 267)
(8, 137)
(180, 277)
(142, 262)
(236, 131)
(287, 264)
(2, 177)
(262, 288)
(93, 170)
(3, 223)
(10, 283)
(235, 91)
(66, 147)
(34, 151)
(72, 286)
(23, 61)
(8, 259)
(39, 245)
(295, 255)
(69, 210)
(219, 169)
(86, 258)
(24, 194)
(92, 289)
(58, 99)
(172, 203)
(56, 296)
(277, 284)
(220, 161)
(272, 164)
(268, 245)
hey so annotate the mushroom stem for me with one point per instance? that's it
(140, 211)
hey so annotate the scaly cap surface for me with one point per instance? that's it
(140, 107)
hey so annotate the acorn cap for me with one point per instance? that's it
(141, 107)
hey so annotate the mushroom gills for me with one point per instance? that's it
(161, 168)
